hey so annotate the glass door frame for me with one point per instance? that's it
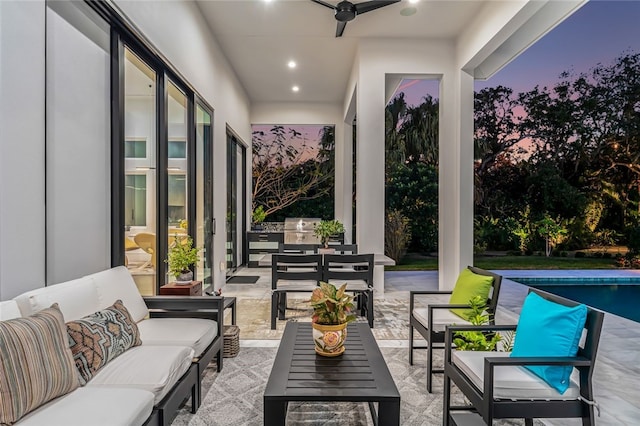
(121, 40)
(241, 240)
(209, 194)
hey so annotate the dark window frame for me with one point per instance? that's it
(124, 36)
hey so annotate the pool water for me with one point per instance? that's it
(619, 296)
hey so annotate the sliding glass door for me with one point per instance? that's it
(205, 225)
(236, 202)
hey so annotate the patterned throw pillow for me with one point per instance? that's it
(101, 337)
(36, 364)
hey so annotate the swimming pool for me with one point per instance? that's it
(619, 296)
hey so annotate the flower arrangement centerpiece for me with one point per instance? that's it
(182, 256)
(325, 229)
(331, 313)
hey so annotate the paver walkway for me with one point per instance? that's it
(617, 373)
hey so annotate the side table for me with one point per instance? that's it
(173, 289)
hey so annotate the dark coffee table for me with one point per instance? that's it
(359, 375)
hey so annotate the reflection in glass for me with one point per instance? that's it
(140, 171)
(177, 163)
(204, 197)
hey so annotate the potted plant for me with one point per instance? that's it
(331, 313)
(325, 229)
(182, 256)
(257, 217)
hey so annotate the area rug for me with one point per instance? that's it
(391, 318)
(243, 279)
(233, 397)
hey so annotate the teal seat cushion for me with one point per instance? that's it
(469, 285)
(549, 329)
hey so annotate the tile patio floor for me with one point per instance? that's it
(617, 373)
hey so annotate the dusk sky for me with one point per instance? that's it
(598, 32)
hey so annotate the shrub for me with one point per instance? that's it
(580, 254)
(633, 239)
(397, 235)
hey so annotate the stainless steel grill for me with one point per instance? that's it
(299, 230)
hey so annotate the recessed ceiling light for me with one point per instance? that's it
(292, 64)
(408, 11)
(413, 1)
(295, 88)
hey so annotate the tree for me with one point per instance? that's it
(553, 231)
(286, 169)
(412, 189)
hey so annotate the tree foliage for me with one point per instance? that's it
(287, 171)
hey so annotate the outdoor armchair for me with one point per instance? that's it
(430, 321)
(498, 385)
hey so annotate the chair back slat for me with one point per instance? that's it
(297, 248)
(344, 248)
(348, 267)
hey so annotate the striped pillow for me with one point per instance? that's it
(101, 337)
(36, 364)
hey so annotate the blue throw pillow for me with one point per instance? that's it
(549, 329)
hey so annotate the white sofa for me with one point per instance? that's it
(147, 383)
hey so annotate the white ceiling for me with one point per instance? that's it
(259, 38)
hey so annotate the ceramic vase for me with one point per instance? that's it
(329, 339)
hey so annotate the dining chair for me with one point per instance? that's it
(357, 271)
(292, 248)
(292, 273)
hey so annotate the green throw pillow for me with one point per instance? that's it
(467, 287)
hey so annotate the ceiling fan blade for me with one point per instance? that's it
(324, 3)
(340, 28)
(368, 6)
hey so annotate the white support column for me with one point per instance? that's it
(370, 204)
(455, 204)
(344, 180)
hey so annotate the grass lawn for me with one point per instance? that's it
(510, 262)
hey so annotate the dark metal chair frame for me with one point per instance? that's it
(313, 248)
(292, 267)
(349, 267)
(435, 339)
(488, 408)
(206, 307)
(289, 248)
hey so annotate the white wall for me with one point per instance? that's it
(77, 145)
(22, 112)
(178, 30)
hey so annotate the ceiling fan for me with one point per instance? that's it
(346, 11)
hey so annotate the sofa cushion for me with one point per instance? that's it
(117, 283)
(153, 368)
(510, 381)
(101, 337)
(76, 299)
(441, 318)
(94, 406)
(36, 364)
(193, 332)
(9, 309)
